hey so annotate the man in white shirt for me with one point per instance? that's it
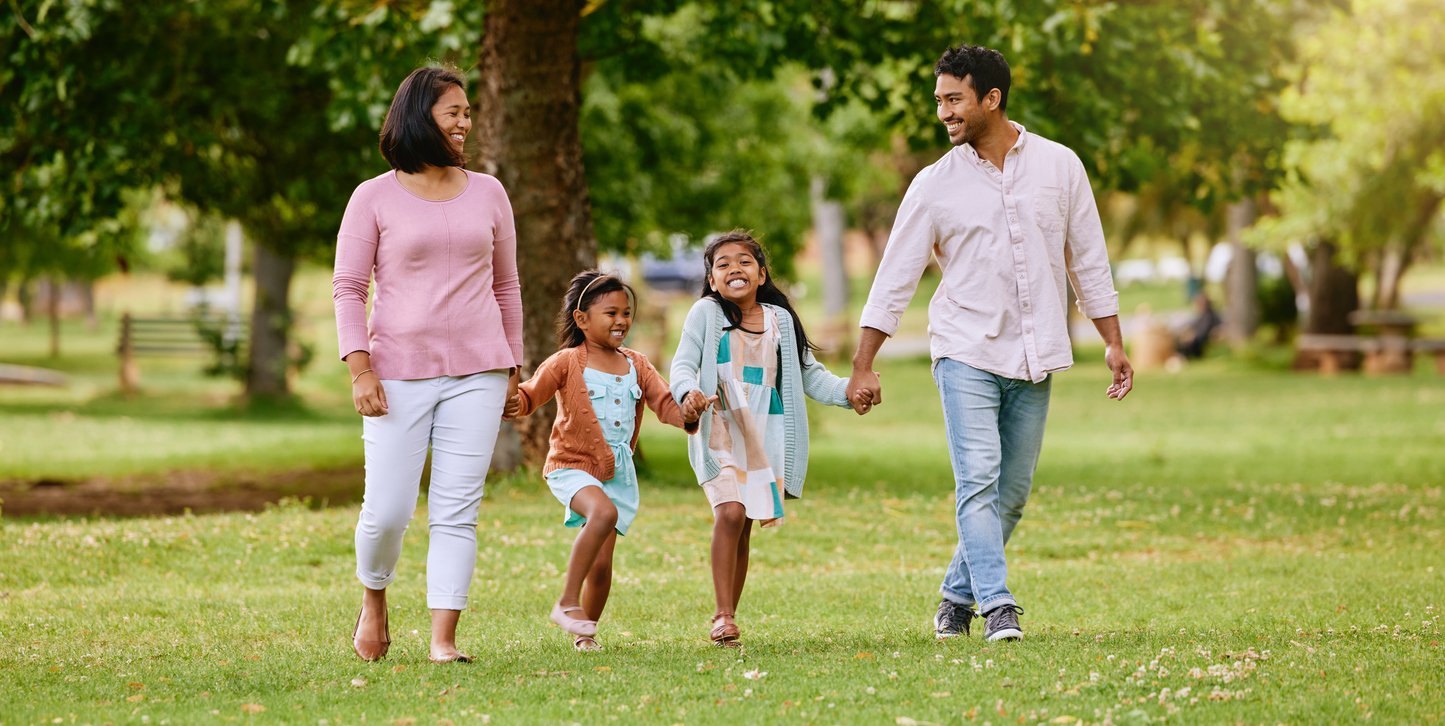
(1009, 215)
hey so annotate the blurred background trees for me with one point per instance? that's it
(623, 125)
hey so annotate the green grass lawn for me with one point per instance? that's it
(1234, 543)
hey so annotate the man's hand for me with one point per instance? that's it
(694, 404)
(1118, 363)
(864, 391)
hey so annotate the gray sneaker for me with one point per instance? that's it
(951, 620)
(1002, 623)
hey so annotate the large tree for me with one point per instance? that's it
(1366, 189)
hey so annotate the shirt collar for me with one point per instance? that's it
(972, 153)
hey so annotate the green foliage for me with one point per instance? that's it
(1371, 82)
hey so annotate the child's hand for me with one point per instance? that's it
(694, 404)
(514, 404)
(861, 401)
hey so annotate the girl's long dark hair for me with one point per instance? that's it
(585, 288)
(768, 292)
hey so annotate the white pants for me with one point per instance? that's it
(459, 418)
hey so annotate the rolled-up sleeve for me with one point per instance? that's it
(910, 246)
(351, 280)
(506, 282)
(1085, 253)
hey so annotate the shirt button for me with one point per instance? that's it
(617, 378)
(617, 400)
(616, 423)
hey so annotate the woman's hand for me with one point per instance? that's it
(368, 395)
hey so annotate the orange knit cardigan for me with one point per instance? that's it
(577, 441)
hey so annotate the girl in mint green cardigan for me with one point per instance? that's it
(744, 355)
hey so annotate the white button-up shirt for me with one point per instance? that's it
(1005, 240)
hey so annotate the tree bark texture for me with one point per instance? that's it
(269, 356)
(527, 115)
(1241, 284)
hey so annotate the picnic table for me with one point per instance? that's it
(1385, 341)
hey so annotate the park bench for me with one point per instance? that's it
(197, 335)
(1381, 354)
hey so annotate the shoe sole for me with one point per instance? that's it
(1008, 634)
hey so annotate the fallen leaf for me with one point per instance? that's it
(358, 682)
(253, 708)
(398, 669)
(602, 669)
(136, 686)
(136, 698)
(863, 655)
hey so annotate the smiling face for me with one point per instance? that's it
(964, 115)
(453, 116)
(736, 274)
(606, 320)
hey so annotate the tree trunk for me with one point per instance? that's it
(1241, 283)
(1393, 261)
(527, 115)
(828, 228)
(1334, 293)
(270, 325)
(52, 311)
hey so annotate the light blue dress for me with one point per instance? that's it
(614, 400)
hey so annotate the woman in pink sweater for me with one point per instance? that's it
(438, 359)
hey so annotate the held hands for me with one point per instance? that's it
(864, 391)
(510, 409)
(514, 401)
(694, 404)
(1118, 363)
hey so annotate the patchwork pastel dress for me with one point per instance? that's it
(614, 399)
(748, 429)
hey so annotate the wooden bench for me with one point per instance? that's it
(1433, 347)
(201, 335)
(1381, 354)
(1336, 352)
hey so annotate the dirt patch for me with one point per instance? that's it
(177, 492)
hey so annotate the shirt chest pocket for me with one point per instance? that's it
(1050, 204)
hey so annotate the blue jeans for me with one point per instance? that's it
(995, 428)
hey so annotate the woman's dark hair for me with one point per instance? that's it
(986, 65)
(585, 288)
(768, 292)
(410, 137)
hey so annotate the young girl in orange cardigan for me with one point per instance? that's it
(600, 388)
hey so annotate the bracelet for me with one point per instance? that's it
(359, 375)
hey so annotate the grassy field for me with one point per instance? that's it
(1234, 543)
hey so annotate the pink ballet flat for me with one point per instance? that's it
(586, 628)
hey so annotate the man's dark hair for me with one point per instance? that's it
(986, 65)
(410, 137)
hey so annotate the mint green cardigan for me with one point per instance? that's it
(694, 367)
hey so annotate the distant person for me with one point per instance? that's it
(1193, 339)
(743, 348)
(600, 388)
(1009, 215)
(438, 359)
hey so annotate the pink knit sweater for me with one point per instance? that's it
(448, 301)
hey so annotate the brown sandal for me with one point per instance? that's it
(724, 630)
(371, 650)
